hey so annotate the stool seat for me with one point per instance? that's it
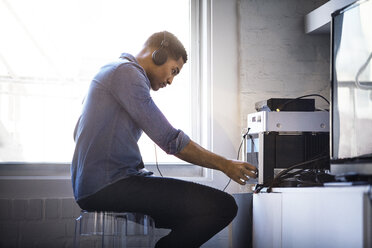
(114, 229)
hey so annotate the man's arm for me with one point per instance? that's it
(237, 170)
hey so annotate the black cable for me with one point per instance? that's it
(304, 178)
(280, 175)
(285, 173)
(237, 157)
(289, 101)
(156, 161)
(314, 159)
(313, 177)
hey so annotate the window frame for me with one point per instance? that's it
(201, 92)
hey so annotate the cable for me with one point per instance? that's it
(237, 157)
(289, 101)
(284, 174)
(362, 68)
(156, 161)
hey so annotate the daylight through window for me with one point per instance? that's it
(49, 52)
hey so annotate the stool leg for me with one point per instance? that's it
(120, 238)
(145, 225)
(109, 230)
(103, 232)
(77, 232)
(90, 229)
(140, 231)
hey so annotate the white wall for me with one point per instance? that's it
(276, 57)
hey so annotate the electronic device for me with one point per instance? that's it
(278, 140)
(264, 121)
(271, 152)
(351, 92)
(286, 104)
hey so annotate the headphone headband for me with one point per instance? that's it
(164, 43)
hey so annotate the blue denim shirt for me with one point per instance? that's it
(116, 110)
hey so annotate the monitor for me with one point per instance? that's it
(351, 92)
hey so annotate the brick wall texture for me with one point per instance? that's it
(37, 222)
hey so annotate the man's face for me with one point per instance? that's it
(164, 74)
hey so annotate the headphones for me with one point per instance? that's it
(160, 56)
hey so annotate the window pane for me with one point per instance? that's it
(49, 55)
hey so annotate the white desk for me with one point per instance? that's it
(313, 217)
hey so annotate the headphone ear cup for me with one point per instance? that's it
(159, 56)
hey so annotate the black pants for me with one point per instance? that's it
(193, 212)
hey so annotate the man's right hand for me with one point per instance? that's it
(238, 171)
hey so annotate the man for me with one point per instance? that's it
(107, 169)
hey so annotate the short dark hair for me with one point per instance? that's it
(175, 49)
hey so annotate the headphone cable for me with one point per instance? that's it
(156, 160)
(237, 157)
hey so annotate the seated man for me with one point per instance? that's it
(107, 168)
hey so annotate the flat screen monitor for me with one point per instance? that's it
(351, 76)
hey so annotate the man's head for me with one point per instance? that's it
(162, 58)
(168, 44)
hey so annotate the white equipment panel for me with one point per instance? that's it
(283, 121)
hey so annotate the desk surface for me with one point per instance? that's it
(327, 189)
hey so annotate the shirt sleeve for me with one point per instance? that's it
(131, 88)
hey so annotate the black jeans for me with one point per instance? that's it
(193, 212)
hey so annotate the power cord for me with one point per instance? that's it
(237, 157)
(285, 173)
(281, 107)
(362, 68)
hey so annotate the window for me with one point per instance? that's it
(49, 52)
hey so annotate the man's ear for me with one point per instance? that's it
(159, 56)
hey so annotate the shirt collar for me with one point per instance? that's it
(129, 57)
